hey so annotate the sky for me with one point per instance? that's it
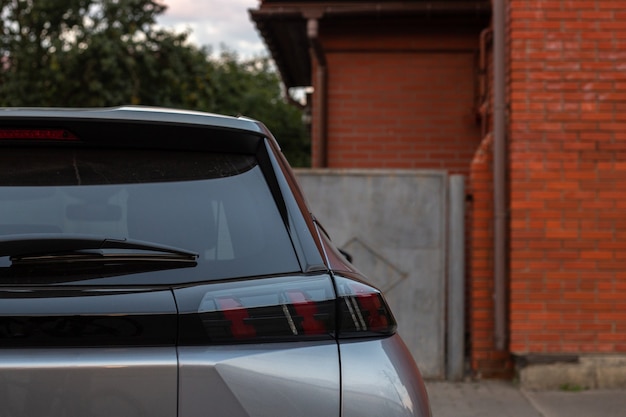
(215, 23)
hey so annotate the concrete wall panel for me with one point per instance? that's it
(393, 222)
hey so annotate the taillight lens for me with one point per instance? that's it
(262, 310)
(362, 310)
(37, 134)
(281, 310)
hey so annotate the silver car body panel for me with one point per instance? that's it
(260, 380)
(88, 382)
(380, 378)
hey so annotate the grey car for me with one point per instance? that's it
(157, 262)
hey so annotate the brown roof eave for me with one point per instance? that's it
(282, 24)
(284, 34)
(283, 8)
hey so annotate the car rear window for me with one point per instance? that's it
(217, 205)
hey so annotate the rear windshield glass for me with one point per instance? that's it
(216, 205)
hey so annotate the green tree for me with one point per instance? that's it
(92, 53)
(252, 88)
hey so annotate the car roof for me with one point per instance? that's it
(143, 126)
(135, 113)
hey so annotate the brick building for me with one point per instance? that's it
(529, 92)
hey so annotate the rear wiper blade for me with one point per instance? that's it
(47, 245)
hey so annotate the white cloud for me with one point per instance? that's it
(215, 23)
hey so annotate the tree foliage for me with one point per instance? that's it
(93, 53)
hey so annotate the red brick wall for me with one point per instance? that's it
(400, 101)
(485, 360)
(568, 176)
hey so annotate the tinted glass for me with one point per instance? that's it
(217, 205)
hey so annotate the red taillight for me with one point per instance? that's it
(37, 134)
(281, 310)
(308, 311)
(362, 310)
(237, 315)
(263, 310)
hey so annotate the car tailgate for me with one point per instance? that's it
(258, 348)
(73, 352)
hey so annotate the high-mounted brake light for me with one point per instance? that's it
(37, 134)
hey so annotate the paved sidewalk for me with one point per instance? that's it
(491, 398)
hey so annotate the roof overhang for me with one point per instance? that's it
(283, 24)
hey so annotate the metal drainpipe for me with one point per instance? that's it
(320, 58)
(499, 176)
(483, 96)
